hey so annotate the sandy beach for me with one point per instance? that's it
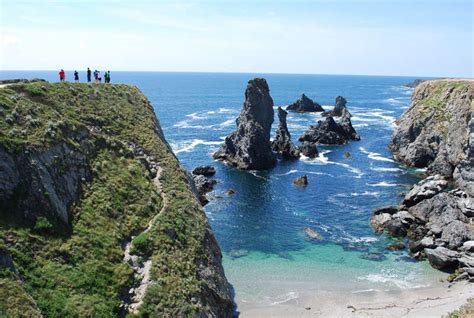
(419, 302)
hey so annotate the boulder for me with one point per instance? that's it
(442, 258)
(308, 149)
(425, 189)
(204, 171)
(379, 220)
(468, 246)
(456, 233)
(386, 209)
(305, 104)
(282, 143)
(301, 181)
(249, 146)
(395, 227)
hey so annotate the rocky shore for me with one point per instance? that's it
(437, 214)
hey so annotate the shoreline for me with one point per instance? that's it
(417, 302)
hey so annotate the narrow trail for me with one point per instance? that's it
(142, 268)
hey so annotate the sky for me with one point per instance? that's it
(362, 37)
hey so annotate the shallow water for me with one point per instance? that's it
(267, 257)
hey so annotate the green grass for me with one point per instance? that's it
(465, 311)
(83, 274)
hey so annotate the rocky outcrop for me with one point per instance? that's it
(435, 133)
(206, 171)
(415, 83)
(301, 181)
(249, 146)
(305, 104)
(282, 143)
(331, 132)
(338, 108)
(93, 181)
(308, 149)
(203, 185)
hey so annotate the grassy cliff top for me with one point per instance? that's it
(81, 272)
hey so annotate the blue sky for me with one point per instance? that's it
(402, 37)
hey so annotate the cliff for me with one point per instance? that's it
(437, 214)
(434, 132)
(97, 217)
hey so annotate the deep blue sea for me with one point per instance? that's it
(267, 257)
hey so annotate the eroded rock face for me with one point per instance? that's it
(305, 104)
(282, 143)
(48, 181)
(249, 146)
(434, 132)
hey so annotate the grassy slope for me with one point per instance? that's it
(83, 274)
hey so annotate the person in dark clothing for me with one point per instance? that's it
(108, 76)
(105, 77)
(89, 73)
(96, 76)
(76, 76)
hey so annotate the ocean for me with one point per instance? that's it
(267, 257)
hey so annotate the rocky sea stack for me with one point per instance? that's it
(437, 133)
(249, 146)
(305, 104)
(98, 219)
(330, 131)
(282, 143)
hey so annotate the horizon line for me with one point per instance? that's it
(269, 73)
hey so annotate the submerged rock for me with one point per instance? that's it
(301, 181)
(312, 234)
(206, 171)
(282, 143)
(442, 258)
(249, 146)
(305, 104)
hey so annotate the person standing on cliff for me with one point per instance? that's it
(108, 76)
(76, 76)
(96, 76)
(89, 75)
(105, 78)
(62, 75)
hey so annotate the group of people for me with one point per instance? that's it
(97, 76)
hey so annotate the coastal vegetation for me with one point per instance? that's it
(73, 266)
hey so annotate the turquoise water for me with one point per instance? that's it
(267, 257)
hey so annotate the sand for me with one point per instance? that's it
(416, 302)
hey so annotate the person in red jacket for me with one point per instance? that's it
(62, 75)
